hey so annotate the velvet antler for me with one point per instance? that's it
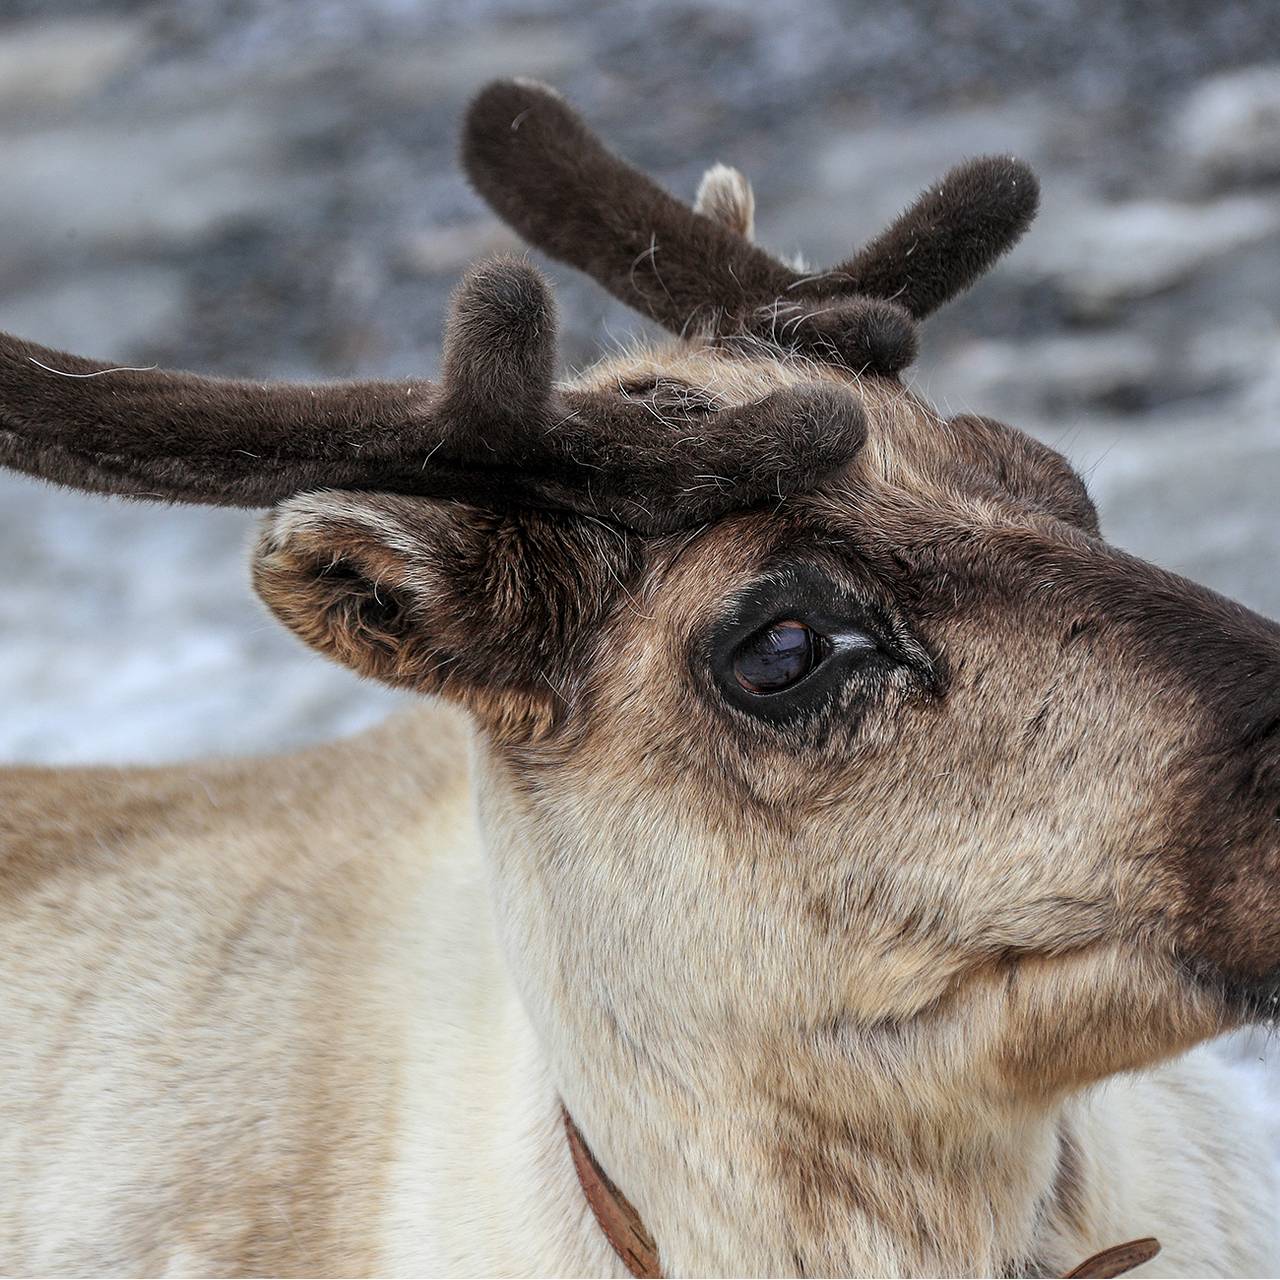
(495, 431)
(543, 171)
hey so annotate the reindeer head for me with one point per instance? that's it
(815, 732)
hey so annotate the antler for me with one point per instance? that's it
(495, 432)
(547, 175)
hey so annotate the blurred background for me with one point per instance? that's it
(270, 189)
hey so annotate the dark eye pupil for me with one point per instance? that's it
(776, 657)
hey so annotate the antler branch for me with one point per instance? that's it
(551, 179)
(953, 233)
(495, 432)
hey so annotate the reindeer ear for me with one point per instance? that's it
(491, 611)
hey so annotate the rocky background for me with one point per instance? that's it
(266, 187)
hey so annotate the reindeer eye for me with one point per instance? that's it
(777, 657)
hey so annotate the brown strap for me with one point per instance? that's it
(634, 1245)
(1116, 1261)
(618, 1220)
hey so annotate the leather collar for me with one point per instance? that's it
(617, 1218)
(632, 1242)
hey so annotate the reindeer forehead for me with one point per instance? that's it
(907, 444)
(727, 378)
(917, 481)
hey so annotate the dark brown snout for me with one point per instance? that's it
(1229, 857)
(1221, 663)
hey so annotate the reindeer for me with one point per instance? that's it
(821, 853)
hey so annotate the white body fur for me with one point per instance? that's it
(248, 1029)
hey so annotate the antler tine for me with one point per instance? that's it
(725, 196)
(602, 453)
(500, 346)
(952, 234)
(181, 437)
(546, 174)
(494, 433)
(552, 179)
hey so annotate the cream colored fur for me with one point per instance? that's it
(257, 1018)
(725, 195)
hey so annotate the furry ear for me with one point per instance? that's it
(494, 612)
(1025, 467)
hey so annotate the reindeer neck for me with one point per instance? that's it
(744, 1150)
(805, 1178)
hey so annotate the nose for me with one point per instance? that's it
(1228, 846)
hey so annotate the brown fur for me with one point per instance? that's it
(293, 1180)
